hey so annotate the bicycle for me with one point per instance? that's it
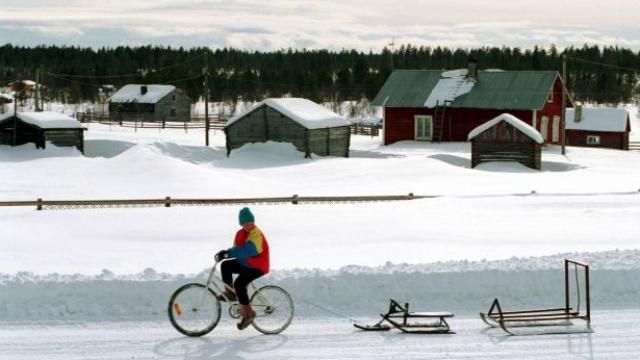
(195, 309)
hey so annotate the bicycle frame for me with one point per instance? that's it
(216, 284)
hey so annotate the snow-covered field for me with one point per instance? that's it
(497, 230)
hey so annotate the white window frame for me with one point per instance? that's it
(416, 121)
(544, 127)
(555, 131)
(593, 139)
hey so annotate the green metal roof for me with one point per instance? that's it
(516, 90)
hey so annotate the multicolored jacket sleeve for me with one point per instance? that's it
(252, 247)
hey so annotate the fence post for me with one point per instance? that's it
(167, 201)
(39, 205)
(294, 199)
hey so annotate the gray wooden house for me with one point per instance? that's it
(310, 127)
(150, 103)
(506, 138)
(40, 128)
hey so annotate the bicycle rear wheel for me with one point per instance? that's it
(274, 309)
(194, 310)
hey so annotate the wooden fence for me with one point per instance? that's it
(634, 145)
(365, 129)
(216, 122)
(41, 204)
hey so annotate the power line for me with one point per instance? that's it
(184, 79)
(603, 64)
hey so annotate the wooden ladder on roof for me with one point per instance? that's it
(438, 121)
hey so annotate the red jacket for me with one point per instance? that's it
(251, 249)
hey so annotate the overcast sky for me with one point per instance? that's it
(332, 24)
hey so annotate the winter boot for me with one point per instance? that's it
(247, 317)
(228, 294)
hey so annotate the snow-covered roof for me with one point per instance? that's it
(6, 116)
(512, 120)
(598, 119)
(303, 111)
(452, 84)
(133, 93)
(49, 120)
(6, 98)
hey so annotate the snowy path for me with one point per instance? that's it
(615, 337)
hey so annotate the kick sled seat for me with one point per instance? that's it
(401, 318)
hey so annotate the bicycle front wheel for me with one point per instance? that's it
(194, 310)
(274, 309)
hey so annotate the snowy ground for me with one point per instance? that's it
(93, 283)
(615, 337)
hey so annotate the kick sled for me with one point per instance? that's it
(401, 318)
(562, 320)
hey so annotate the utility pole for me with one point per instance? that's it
(392, 44)
(40, 88)
(205, 71)
(36, 94)
(564, 101)
(15, 111)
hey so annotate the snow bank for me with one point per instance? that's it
(461, 286)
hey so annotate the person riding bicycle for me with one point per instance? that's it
(251, 260)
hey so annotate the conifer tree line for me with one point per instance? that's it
(75, 74)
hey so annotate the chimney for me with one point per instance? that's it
(473, 68)
(577, 116)
(143, 89)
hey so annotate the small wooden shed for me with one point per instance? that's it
(506, 138)
(40, 128)
(598, 127)
(310, 127)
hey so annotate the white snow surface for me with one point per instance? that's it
(303, 111)
(587, 200)
(525, 128)
(452, 84)
(94, 283)
(132, 93)
(615, 337)
(598, 119)
(49, 120)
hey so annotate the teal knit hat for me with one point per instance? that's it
(246, 216)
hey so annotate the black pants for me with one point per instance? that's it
(245, 276)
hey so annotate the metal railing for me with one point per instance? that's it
(41, 204)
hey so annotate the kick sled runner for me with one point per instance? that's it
(562, 320)
(401, 318)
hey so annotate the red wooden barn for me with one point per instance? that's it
(436, 105)
(598, 127)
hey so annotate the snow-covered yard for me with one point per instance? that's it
(587, 200)
(497, 230)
